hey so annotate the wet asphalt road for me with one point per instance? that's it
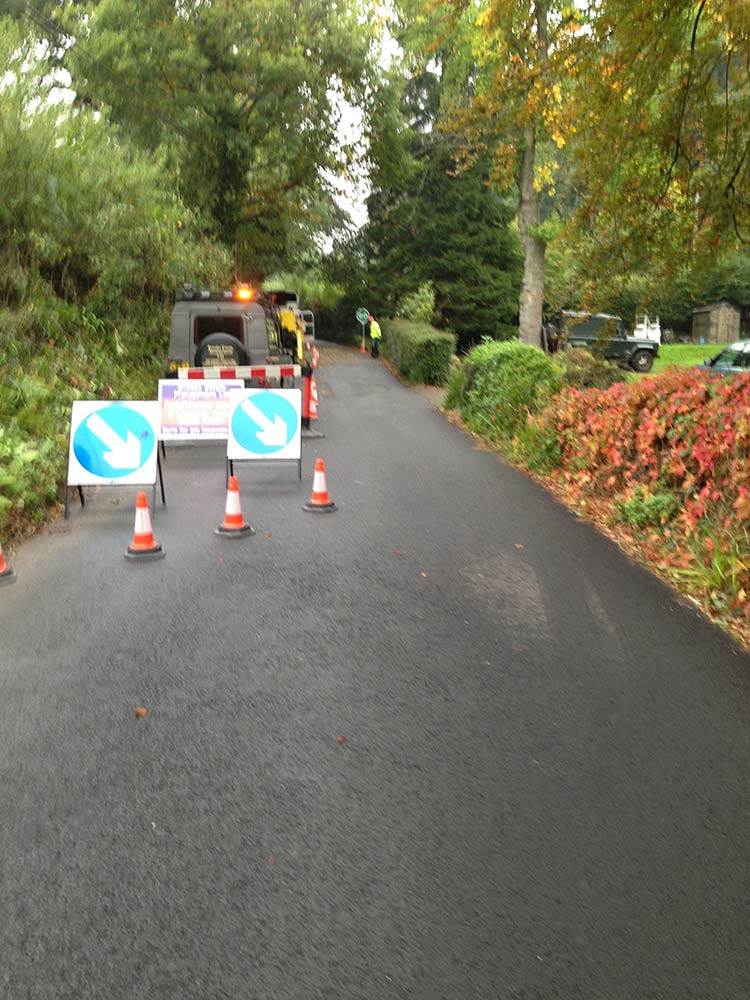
(542, 791)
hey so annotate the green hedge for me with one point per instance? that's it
(500, 384)
(419, 352)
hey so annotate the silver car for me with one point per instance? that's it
(733, 360)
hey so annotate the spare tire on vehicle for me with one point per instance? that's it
(220, 350)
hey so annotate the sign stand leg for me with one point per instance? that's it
(161, 480)
(67, 500)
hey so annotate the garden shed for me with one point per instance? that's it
(718, 323)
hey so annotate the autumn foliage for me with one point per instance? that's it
(665, 461)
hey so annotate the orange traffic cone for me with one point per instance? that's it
(233, 524)
(144, 545)
(320, 502)
(6, 570)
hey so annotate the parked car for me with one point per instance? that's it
(607, 336)
(733, 360)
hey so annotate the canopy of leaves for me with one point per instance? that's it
(660, 153)
(240, 100)
(94, 221)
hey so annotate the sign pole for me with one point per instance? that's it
(363, 315)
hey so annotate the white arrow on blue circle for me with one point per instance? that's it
(272, 433)
(122, 454)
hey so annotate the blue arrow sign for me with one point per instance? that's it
(264, 423)
(113, 442)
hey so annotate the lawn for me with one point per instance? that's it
(684, 354)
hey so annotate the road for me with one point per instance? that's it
(446, 742)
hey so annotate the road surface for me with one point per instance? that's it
(446, 742)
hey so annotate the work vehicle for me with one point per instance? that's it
(234, 328)
(606, 335)
(287, 305)
(733, 360)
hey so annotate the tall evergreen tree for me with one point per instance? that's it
(431, 224)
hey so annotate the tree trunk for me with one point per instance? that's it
(531, 299)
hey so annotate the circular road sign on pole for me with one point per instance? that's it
(362, 317)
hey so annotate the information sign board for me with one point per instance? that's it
(194, 410)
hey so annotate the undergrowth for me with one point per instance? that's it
(52, 353)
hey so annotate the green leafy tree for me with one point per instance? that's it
(419, 305)
(93, 220)
(93, 241)
(345, 270)
(661, 166)
(514, 111)
(240, 101)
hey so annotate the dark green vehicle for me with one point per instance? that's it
(607, 336)
(225, 329)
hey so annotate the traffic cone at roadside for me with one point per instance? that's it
(233, 523)
(6, 570)
(319, 502)
(144, 545)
